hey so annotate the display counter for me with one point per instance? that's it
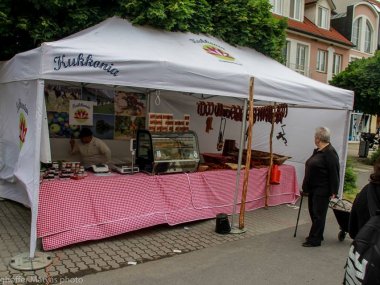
(72, 211)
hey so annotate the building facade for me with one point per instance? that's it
(324, 36)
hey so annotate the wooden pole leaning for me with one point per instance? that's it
(267, 188)
(248, 157)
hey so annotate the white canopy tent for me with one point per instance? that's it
(116, 53)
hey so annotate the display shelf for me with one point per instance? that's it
(160, 153)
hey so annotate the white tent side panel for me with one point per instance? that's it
(18, 107)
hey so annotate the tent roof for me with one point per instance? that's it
(115, 52)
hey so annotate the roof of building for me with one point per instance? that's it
(309, 28)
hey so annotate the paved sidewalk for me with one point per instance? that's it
(141, 246)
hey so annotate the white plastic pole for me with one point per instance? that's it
(36, 167)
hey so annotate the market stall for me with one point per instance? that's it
(100, 207)
(115, 55)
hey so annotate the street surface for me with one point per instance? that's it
(273, 258)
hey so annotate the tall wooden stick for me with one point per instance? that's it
(267, 188)
(248, 156)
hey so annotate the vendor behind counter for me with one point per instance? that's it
(91, 149)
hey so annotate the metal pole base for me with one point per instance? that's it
(24, 262)
(237, 230)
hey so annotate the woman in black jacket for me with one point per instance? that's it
(321, 183)
(360, 210)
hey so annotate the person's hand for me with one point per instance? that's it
(333, 196)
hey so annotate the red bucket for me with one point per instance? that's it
(275, 174)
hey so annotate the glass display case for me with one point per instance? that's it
(160, 153)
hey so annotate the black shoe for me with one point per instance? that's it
(307, 239)
(310, 244)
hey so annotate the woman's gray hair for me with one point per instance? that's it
(323, 134)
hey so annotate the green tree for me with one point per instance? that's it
(363, 77)
(26, 24)
(249, 23)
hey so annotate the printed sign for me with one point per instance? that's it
(81, 113)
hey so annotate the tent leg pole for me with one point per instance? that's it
(234, 229)
(248, 157)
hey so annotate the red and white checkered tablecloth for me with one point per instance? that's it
(72, 211)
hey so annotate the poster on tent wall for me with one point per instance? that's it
(130, 112)
(104, 99)
(126, 126)
(57, 100)
(57, 97)
(115, 114)
(103, 126)
(81, 113)
(130, 104)
(103, 110)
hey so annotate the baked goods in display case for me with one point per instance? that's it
(160, 153)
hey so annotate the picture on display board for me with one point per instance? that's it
(130, 104)
(57, 97)
(116, 114)
(103, 127)
(104, 99)
(126, 127)
(81, 112)
(59, 127)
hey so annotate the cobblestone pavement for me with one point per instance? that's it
(127, 249)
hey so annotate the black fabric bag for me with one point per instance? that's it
(363, 262)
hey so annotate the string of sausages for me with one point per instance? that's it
(235, 112)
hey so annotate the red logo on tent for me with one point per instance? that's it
(219, 53)
(23, 129)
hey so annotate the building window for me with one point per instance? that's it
(353, 58)
(302, 51)
(296, 9)
(323, 17)
(276, 6)
(286, 53)
(321, 60)
(356, 33)
(337, 63)
(368, 37)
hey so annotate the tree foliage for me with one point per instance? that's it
(363, 77)
(25, 24)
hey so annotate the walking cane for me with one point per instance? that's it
(298, 217)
